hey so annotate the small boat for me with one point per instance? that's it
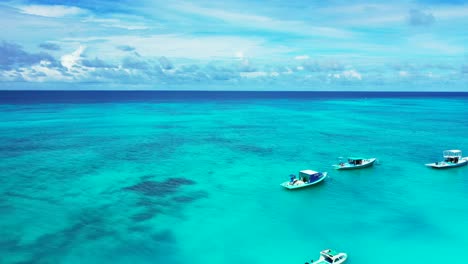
(329, 256)
(355, 163)
(306, 178)
(452, 158)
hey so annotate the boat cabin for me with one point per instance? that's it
(452, 156)
(309, 175)
(332, 257)
(355, 160)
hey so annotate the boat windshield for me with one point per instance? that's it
(355, 161)
(327, 259)
(452, 159)
(328, 255)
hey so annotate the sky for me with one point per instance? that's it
(419, 45)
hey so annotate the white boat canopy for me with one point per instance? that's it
(452, 153)
(308, 172)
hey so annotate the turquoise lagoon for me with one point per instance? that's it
(128, 177)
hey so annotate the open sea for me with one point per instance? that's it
(194, 177)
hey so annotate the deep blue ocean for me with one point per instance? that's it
(82, 97)
(194, 177)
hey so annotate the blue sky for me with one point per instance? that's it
(234, 45)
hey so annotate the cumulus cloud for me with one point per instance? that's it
(18, 65)
(352, 74)
(73, 59)
(346, 75)
(49, 46)
(44, 72)
(321, 66)
(96, 63)
(12, 55)
(420, 18)
(254, 74)
(221, 72)
(165, 63)
(258, 74)
(246, 66)
(191, 73)
(134, 62)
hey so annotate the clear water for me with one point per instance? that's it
(187, 178)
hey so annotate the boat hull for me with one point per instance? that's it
(299, 186)
(322, 261)
(445, 165)
(354, 167)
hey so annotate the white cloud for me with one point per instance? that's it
(51, 10)
(347, 74)
(47, 74)
(181, 46)
(253, 74)
(73, 59)
(334, 75)
(42, 72)
(352, 74)
(258, 74)
(10, 75)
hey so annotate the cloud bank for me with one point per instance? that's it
(132, 69)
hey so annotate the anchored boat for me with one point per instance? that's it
(306, 178)
(329, 256)
(452, 158)
(355, 163)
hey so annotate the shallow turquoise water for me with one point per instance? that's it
(198, 181)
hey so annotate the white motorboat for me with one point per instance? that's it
(306, 178)
(452, 158)
(329, 256)
(355, 163)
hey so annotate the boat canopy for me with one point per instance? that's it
(308, 172)
(452, 153)
(355, 158)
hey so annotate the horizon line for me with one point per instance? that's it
(254, 91)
